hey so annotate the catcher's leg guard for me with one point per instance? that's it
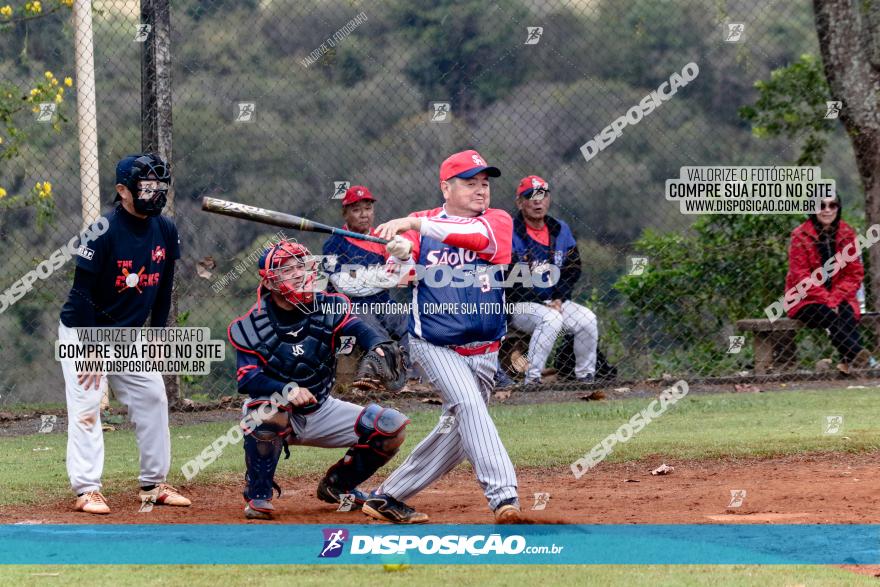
(380, 432)
(262, 449)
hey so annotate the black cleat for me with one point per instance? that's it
(508, 512)
(330, 494)
(388, 509)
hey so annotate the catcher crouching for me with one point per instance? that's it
(286, 355)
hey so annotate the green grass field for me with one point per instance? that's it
(543, 435)
(546, 435)
(481, 575)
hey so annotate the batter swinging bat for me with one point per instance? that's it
(256, 214)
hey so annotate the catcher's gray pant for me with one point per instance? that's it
(330, 426)
(143, 394)
(465, 429)
(545, 324)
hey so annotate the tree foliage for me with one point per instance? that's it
(19, 109)
(730, 267)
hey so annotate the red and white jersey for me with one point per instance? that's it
(448, 315)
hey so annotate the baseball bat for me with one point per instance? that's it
(282, 219)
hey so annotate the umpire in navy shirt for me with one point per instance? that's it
(122, 277)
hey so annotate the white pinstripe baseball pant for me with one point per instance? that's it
(465, 384)
(546, 324)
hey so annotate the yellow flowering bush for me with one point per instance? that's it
(43, 100)
(34, 9)
(43, 190)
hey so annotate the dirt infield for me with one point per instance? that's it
(819, 488)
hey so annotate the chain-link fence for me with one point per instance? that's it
(277, 102)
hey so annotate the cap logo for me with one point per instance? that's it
(478, 160)
(360, 192)
(536, 183)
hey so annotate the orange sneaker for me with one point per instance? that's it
(92, 503)
(164, 494)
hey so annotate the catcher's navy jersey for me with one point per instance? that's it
(447, 315)
(128, 261)
(276, 347)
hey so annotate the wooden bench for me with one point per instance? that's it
(775, 348)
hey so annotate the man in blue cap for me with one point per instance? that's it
(123, 276)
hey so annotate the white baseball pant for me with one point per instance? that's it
(465, 429)
(143, 394)
(545, 324)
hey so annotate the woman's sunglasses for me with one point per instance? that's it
(830, 205)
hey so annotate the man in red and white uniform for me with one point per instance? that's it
(455, 331)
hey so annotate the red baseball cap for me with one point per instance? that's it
(466, 164)
(356, 193)
(531, 183)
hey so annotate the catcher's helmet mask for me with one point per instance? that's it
(148, 180)
(290, 270)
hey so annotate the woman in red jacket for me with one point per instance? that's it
(831, 305)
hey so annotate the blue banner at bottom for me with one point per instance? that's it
(440, 544)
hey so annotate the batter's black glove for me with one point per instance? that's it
(378, 372)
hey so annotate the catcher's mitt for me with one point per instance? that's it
(378, 372)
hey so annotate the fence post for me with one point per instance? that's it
(86, 111)
(156, 127)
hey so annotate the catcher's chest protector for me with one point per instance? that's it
(303, 351)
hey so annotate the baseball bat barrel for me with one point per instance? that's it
(275, 218)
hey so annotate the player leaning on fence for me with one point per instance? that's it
(831, 305)
(121, 278)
